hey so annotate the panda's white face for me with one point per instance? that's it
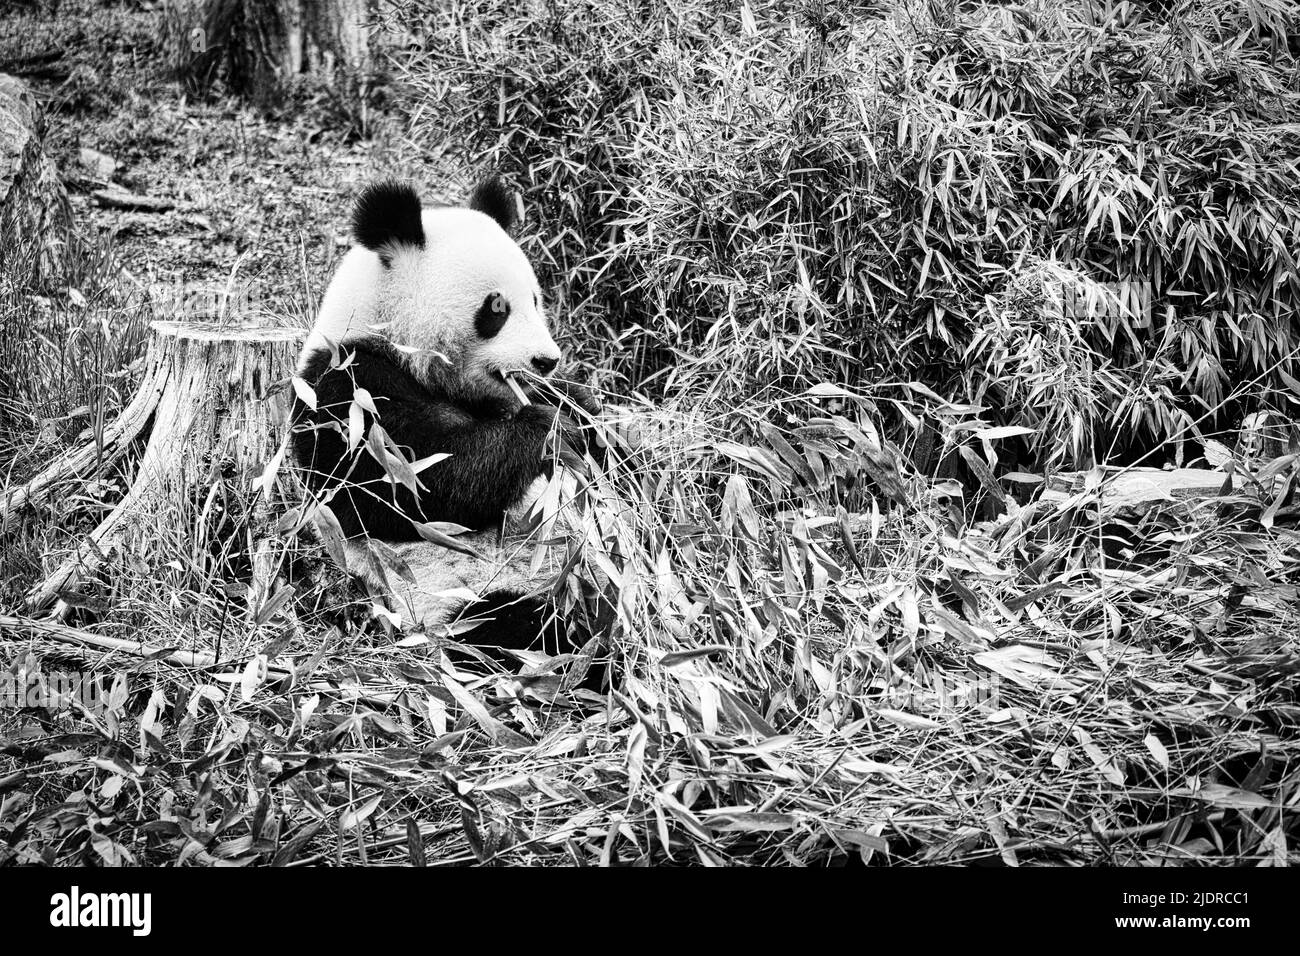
(448, 286)
(468, 303)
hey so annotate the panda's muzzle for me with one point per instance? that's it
(541, 366)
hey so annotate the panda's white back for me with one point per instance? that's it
(348, 308)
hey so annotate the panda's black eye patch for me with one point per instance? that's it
(492, 315)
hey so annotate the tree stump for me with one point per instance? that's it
(215, 403)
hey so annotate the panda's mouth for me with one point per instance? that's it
(511, 381)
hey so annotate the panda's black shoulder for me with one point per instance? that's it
(314, 364)
(371, 363)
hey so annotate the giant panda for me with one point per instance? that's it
(428, 328)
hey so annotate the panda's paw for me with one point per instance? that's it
(570, 397)
(536, 413)
(585, 439)
(580, 417)
(584, 398)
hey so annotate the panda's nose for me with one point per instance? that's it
(544, 364)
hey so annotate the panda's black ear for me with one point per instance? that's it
(387, 215)
(493, 197)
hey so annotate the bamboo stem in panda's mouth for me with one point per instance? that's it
(516, 388)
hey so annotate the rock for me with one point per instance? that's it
(34, 213)
(116, 198)
(99, 165)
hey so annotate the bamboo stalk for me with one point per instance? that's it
(517, 389)
(61, 633)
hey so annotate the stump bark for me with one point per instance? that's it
(214, 403)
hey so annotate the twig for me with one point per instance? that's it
(1144, 828)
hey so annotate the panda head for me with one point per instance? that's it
(456, 293)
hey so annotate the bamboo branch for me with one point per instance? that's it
(61, 633)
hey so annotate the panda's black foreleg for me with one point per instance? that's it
(579, 415)
(493, 456)
(492, 463)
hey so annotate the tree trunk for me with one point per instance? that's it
(257, 47)
(219, 409)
